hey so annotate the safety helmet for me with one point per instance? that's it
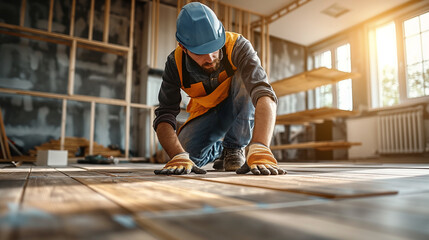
(199, 30)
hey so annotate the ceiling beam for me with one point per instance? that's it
(281, 12)
(286, 9)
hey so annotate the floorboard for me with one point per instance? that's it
(335, 188)
(12, 182)
(127, 201)
(56, 206)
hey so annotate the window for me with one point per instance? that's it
(323, 93)
(388, 93)
(416, 39)
(391, 85)
(344, 87)
(339, 95)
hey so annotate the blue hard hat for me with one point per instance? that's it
(199, 30)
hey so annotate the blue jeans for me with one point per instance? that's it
(229, 125)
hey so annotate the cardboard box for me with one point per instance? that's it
(51, 158)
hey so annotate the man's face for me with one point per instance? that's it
(209, 62)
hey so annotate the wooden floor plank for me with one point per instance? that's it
(140, 195)
(334, 201)
(252, 194)
(150, 196)
(405, 216)
(11, 185)
(402, 180)
(56, 207)
(256, 195)
(354, 165)
(12, 182)
(143, 195)
(387, 217)
(265, 224)
(302, 184)
(366, 179)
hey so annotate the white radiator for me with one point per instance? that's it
(401, 131)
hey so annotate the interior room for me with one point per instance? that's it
(80, 85)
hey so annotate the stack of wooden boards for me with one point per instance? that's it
(74, 145)
(307, 81)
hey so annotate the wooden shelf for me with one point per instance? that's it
(324, 146)
(307, 81)
(313, 115)
(310, 80)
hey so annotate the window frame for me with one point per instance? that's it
(333, 49)
(404, 58)
(398, 20)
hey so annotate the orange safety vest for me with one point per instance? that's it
(201, 102)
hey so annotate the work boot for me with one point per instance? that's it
(231, 159)
(218, 164)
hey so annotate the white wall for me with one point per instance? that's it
(362, 130)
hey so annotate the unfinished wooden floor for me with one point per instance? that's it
(127, 201)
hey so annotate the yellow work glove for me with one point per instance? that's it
(180, 164)
(260, 160)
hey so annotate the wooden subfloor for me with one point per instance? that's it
(127, 201)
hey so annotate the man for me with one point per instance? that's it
(222, 74)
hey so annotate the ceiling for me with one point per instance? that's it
(307, 24)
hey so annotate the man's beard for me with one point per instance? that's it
(209, 68)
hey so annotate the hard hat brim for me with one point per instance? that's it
(208, 47)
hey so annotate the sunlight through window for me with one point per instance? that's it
(387, 65)
(416, 38)
(344, 87)
(324, 93)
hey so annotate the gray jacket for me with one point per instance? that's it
(243, 57)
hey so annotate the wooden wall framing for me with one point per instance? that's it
(88, 43)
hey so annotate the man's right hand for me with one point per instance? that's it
(180, 164)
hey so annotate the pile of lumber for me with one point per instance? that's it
(74, 145)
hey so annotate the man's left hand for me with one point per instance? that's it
(260, 160)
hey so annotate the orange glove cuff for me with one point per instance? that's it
(180, 160)
(260, 155)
